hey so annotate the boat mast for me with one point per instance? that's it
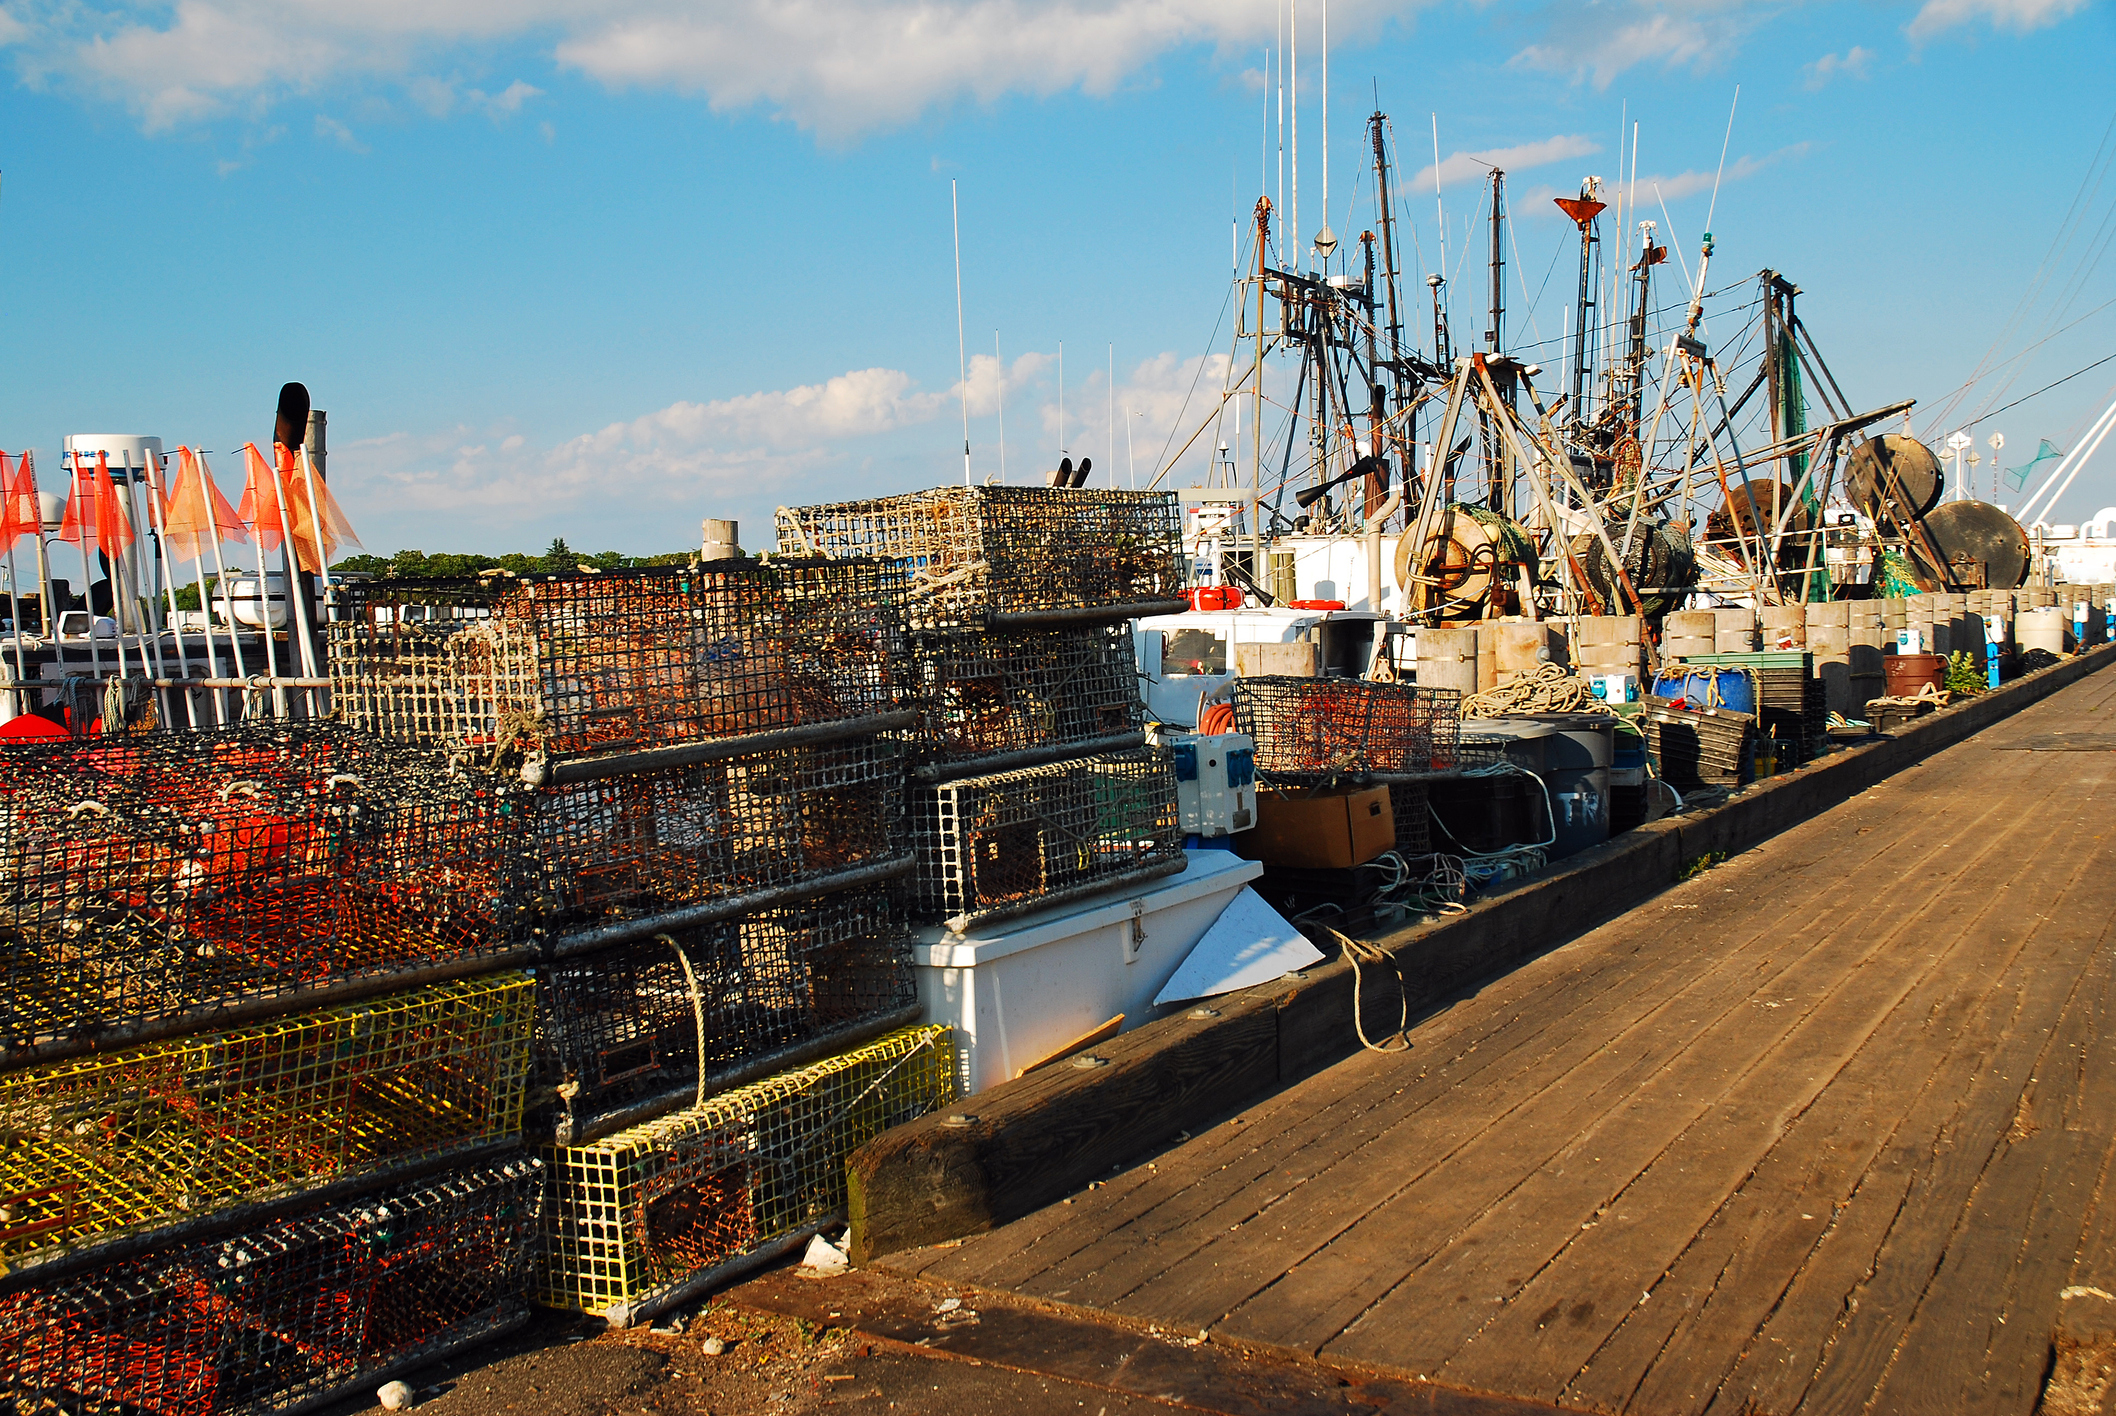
(1401, 438)
(1584, 209)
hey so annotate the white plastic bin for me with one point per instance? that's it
(1022, 989)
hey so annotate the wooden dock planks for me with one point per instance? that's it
(1818, 1130)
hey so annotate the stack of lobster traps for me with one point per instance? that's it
(265, 1040)
(1329, 733)
(705, 766)
(1032, 782)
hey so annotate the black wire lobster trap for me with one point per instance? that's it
(636, 1215)
(633, 846)
(1315, 731)
(163, 881)
(1010, 842)
(1009, 557)
(124, 1142)
(286, 1315)
(1054, 692)
(635, 1023)
(590, 665)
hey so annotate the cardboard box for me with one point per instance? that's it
(1318, 830)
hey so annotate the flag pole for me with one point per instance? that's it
(220, 585)
(83, 511)
(323, 559)
(151, 637)
(44, 607)
(264, 583)
(14, 587)
(106, 498)
(297, 616)
(160, 522)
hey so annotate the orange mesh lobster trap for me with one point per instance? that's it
(628, 1025)
(637, 1213)
(502, 666)
(1318, 731)
(158, 878)
(1009, 557)
(286, 1315)
(122, 1141)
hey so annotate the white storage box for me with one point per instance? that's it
(1024, 988)
(1215, 783)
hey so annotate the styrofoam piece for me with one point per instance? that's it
(1250, 943)
(1020, 989)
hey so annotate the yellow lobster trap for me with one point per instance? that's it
(100, 1145)
(642, 1211)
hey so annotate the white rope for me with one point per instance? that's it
(690, 979)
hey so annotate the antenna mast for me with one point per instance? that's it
(962, 358)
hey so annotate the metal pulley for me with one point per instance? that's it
(1733, 529)
(1472, 559)
(1983, 548)
(1661, 566)
(1893, 477)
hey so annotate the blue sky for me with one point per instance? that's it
(600, 270)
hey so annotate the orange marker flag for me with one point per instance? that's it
(195, 509)
(260, 506)
(24, 515)
(78, 525)
(113, 520)
(299, 482)
(10, 530)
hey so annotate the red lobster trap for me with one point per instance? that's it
(501, 666)
(994, 846)
(1009, 557)
(286, 1315)
(1318, 731)
(160, 882)
(1018, 697)
(123, 1141)
(641, 1023)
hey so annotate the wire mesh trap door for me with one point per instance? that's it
(981, 695)
(122, 1141)
(580, 666)
(647, 1208)
(637, 1020)
(974, 553)
(626, 845)
(155, 878)
(285, 1313)
(1310, 731)
(1001, 840)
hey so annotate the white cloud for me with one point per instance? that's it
(504, 104)
(838, 67)
(1684, 184)
(337, 132)
(2019, 16)
(1599, 43)
(644, 481)
(1466, 165)
(1853, 63)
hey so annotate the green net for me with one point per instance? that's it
(2017, 478)
(1895, 574)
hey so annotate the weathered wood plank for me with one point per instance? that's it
(1660, 1164)
(1396, 1233)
